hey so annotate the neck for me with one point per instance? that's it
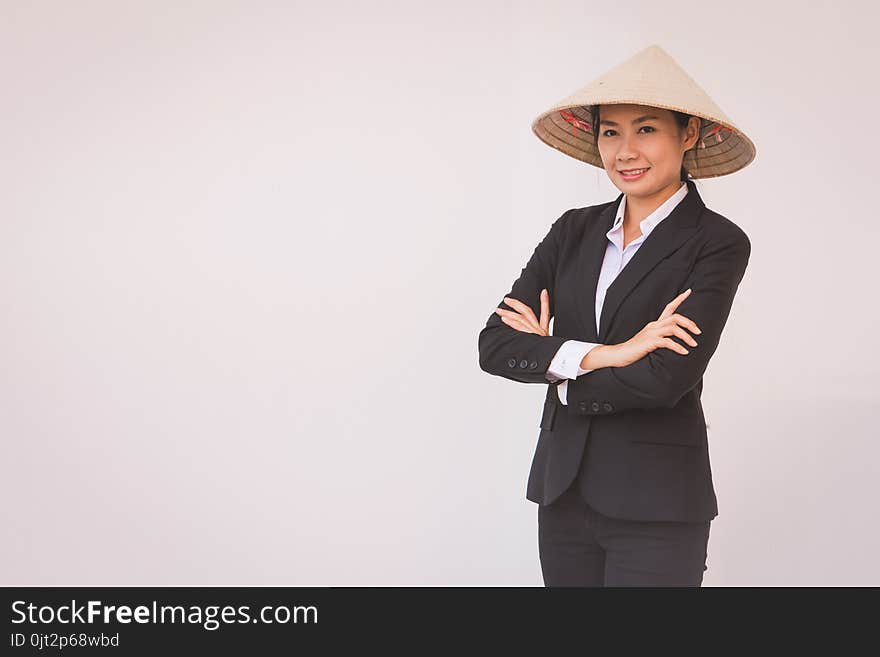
(639, 207)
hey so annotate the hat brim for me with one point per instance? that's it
(721, 150)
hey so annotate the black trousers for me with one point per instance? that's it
(579, 546)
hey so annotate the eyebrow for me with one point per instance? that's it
(638, 120)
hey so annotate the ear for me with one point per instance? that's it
(692, 131)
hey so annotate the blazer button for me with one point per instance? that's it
(583, 406)
(533, 365)
(511, 362)
(595, 406)
(608, 407)
(523, 364)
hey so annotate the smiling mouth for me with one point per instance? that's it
(630, 172)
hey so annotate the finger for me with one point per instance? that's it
(519, 326)
(510, 314)
(669, 343)
(687, 323)
(545, 310)
(675, 319)
(672, 305)
(684, 335)
(523, 308)
(669, 326)
(515, 316)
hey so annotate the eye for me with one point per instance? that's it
(605, 133)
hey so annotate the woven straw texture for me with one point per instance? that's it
(650, 77)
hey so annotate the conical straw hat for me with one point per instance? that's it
(650, 77)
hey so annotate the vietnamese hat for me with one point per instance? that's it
(650, 77)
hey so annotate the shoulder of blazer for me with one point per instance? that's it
(579, 218)
(721, 228)
(591, 211)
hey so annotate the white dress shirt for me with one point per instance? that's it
(566, 364)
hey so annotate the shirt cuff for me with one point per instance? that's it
(566, 364)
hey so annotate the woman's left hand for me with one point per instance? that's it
(524, 319)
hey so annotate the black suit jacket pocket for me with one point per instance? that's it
(669, 427)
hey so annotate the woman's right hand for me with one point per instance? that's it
(654, 335)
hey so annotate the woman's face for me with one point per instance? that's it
(639, 136)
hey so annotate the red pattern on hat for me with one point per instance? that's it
(576, 123)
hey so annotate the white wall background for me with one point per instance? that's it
(246, 249)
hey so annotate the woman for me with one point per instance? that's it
(640, 289)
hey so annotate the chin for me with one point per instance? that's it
(641, 187)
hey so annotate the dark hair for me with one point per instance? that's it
(680, 117)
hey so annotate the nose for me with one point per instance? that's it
(627, 151)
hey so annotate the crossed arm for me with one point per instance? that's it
(659, 379)
(519, 355)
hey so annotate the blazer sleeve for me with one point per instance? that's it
(663, 376)
(517, 355)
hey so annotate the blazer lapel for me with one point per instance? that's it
(666, 237)
(592, 253)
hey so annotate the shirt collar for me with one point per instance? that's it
(650, 222)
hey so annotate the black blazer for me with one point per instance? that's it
(639, 429)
